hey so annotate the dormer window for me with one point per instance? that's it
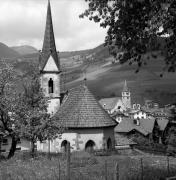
(50, 86)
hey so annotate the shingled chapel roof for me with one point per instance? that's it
(81, 110)
(49, 47)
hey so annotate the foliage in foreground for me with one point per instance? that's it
(23, 115)
(135, 27)
(86, 166)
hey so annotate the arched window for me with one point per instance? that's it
(51, 86)
(90, 145)
(109, 144)
(64, 146)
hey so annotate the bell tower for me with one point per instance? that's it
(49, 64)
(126, 96)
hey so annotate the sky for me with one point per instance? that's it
(22, 22)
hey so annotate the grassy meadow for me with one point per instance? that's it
(86, 166)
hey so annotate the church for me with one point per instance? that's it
(118, 104)
(88, 125)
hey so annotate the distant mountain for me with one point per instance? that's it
(104, 78)
(7, 52)
(98, 53)
(23, 50)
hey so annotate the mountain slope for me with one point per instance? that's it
(6, 52)
(23, 50)
(106, 79)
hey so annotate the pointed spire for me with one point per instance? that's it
(49, 47)
(125, 87)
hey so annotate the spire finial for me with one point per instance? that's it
(125, 87)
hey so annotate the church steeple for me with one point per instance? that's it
(50, 66)
(126, 96)
(49, 47)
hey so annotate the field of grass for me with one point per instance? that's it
(85, 166)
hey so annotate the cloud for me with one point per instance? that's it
(23, 22)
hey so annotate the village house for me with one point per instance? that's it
(150, 128)
(131, 127)
(6, 142)
(123, 143)
(118, 116)
(137, 114)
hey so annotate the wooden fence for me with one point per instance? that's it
(116, 169)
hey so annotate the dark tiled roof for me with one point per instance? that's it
(109, 103)
(118, 114)
(81, 110)
(49, 47)
(158, 111)
(145, 127)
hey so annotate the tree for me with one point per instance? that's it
(134, 27)
(171, 141)
(34, 122)
(8, 97)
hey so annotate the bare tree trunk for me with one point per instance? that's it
(32, 148)
(0, 145)
(49, 149)
(13, 147)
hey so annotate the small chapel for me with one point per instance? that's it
(88, 125)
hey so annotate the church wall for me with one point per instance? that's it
(44, 84)
(53, 105)
(109, 133)
(82, 136)
(95, 135)
(54, 102)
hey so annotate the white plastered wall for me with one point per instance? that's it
(85, 135)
